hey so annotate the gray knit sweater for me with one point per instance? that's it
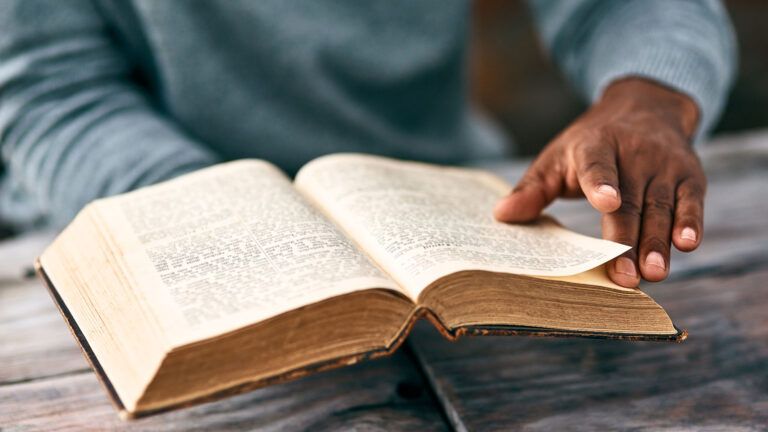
(98, 97)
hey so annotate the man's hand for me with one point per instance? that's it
(630, 155)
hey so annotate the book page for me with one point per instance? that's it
(231, 245)
(422, 222)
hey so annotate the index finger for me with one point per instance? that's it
(540, 185)
(598, 176)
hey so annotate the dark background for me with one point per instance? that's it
(514, 81)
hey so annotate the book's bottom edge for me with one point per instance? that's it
(501, 330)
(450, 334)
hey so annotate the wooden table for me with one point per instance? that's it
(716, 380)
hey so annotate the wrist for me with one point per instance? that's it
(641, 95)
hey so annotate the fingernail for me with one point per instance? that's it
(655, 259)
(688, 234)
(607, 191)
(500, 209)
(625, 266)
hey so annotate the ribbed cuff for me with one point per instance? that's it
(687, 46)
(676, 68)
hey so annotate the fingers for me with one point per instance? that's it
(666, 214)
(623, 226)
(598, 176)
(689, 214)
(540, 185)
(658, 212)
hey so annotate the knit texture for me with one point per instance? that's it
(98, 97)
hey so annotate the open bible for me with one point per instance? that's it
(233, 277)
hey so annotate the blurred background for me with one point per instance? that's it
(515, 82)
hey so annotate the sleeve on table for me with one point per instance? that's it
(73, 126)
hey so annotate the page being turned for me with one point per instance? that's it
(231, 245)
(422, 222)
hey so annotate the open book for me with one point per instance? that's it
(232, 277)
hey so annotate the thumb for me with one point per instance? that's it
(534, 192)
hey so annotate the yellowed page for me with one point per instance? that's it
(596, 276)
(126, 341)
(228, 246)
(422, 222)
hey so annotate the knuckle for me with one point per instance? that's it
(535, 181)
(584, 136)
(630, 208)
(660, 197)
(655, 243)
(524, 183)
(597, 169)
(693, 189)
(693, 209)
(659, 206)
(533, 177)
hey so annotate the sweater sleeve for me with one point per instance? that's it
(73, 126)
(687, 45)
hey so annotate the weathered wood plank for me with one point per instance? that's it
(17, 255)
(385, 394)
(717, 377)
(34, 341)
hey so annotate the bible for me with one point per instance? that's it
(235, 277)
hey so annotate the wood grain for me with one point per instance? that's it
(717, 377)
(34, 343)
(378, 395)
(17, 256)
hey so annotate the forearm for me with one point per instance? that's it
(687, 46)
(649, 98)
